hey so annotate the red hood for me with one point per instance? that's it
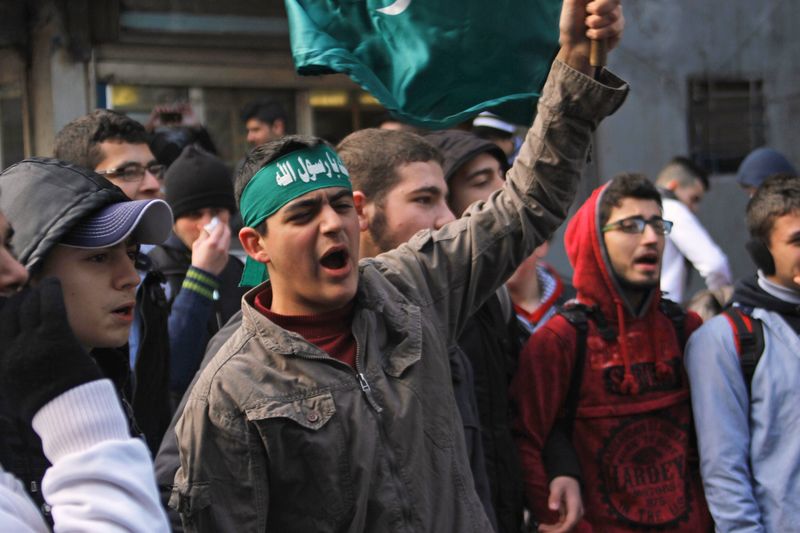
(594, 279)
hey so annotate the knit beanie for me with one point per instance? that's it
(760, 164)
(198, 179)
(458, 147)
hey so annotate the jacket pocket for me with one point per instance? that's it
(308, 463)
(189, 500)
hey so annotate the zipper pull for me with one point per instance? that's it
(367, 390)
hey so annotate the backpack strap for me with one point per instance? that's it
(748, 338)
(677, 315)
(576, 314)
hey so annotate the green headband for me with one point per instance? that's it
(280, 182)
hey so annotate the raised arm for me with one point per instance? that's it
(467, 260)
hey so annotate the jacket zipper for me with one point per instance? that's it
(367, 390)
(361, 378)
(363, 383)
(392, 459)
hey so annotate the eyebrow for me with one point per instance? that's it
(430, 189)
(315, 202)
(153, 161)
(339, 195)
(300, 205)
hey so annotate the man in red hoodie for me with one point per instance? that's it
(628, 413)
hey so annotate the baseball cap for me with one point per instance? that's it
(146, 221)
(490, 120)
(47, 199)
(760, 164)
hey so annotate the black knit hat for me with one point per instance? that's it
(196, 180)
(459, 147)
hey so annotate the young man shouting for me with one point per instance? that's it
(618, 387)
(331, 408)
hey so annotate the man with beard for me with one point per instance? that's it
(610, 374)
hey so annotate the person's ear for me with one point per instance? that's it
(279, 127)
(253, 244)
(363, 209)
(672, 185)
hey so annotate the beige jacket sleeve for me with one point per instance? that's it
(456, 268)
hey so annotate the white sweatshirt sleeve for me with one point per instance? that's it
(101, 478)
(693, 242)
(17, 510)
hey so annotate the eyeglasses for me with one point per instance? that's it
(636, 224)
(134, 172)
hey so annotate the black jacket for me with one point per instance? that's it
(151, 400)
(173, 259)
(196, 319)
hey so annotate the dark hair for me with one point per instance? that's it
(167, 142)
(262, 155)
(267, 111)
(627, 185)
(373, 155)
(778, 195)
(78, 141)
(685, 171)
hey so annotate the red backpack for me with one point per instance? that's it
(748, 337)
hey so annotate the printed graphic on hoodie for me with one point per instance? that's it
(643, 473)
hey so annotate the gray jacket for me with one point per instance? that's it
(278, 436)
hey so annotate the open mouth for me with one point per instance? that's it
(647, 260)
(124, 311)
(335, 259)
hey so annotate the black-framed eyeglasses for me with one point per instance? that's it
(636, 224)
(134, 172)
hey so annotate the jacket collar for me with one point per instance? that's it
(377, 301)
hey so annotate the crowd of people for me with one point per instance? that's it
(367, 337)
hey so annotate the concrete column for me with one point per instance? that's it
(59, 89)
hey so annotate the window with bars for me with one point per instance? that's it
(726, 121)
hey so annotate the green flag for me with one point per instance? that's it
(433, 63)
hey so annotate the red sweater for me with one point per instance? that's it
(330, 332)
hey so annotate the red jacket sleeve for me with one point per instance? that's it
(539, 390)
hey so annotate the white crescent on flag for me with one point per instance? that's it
(396, 8)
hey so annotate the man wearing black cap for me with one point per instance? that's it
(72, 225)
(202, 279)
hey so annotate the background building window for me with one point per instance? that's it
(726, 121)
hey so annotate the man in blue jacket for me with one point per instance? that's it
(747, 432)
